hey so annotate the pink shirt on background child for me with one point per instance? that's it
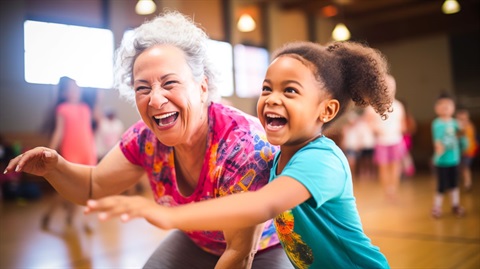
(78, 144)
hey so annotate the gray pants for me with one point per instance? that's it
(177, 251)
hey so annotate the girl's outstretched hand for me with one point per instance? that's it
(38, 161)
(130, 207)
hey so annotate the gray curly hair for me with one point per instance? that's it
(169, 28)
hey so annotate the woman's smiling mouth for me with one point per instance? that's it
(166, 119)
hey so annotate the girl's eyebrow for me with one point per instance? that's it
(285, 82)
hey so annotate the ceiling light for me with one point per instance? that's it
(145, 7)
(341, 32)
(450, 7)
(246, 23)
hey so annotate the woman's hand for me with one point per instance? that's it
(38, 161)
(130, 207)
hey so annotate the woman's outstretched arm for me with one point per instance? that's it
(77, 182)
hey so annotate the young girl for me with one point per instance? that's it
(310, 194)
(73, 136)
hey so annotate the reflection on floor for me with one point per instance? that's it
(404, 231)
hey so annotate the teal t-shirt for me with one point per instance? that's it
(325, 231)
(446, 133)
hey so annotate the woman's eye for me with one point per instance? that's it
(169, 84)
(141, 88)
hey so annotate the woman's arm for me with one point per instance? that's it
(242, 244)
(76, 182)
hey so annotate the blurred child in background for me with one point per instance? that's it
(73, 137)
(446, 134)
(471, 148)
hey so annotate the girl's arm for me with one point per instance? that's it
(228, 212)
(76, 182)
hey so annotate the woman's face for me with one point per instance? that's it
(168, 99)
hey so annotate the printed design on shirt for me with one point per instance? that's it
(299, 253)
(159, 189)
(244, 183)
(268, 234)
(248, 168)
(149, 148)
(450, 138)
(157, 167)
(265, 150)
(213, 161)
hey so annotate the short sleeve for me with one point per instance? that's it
(321, 171)
(129, 143)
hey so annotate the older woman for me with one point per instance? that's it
(191, 148)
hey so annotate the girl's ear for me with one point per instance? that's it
(329, 109)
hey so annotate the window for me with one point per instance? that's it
(251, 64)
(222, 56)
(53, 50)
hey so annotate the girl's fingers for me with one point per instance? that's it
(108, 208)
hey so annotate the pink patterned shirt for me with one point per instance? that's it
(238, 159)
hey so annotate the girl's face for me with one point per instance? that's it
(73, 93)
(445, 107)
(168, 99)
(292, 104)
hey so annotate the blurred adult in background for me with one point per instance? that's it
(191, 147)
(470, 150)
(108, 132)
(366, 166)
(73, 137)
(389, 145)
(350, 143)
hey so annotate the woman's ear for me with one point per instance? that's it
(329, 109)
(204, 89)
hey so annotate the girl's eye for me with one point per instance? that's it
(290, 90)
(266, 89)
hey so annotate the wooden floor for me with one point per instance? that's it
(404, 231)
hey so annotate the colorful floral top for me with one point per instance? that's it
(238, 159)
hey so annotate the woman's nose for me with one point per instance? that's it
(157, 98)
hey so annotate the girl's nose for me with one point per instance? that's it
(272, 100)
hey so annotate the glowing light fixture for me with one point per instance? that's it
(246, 23)
(340, 32)
(145, 7)
(450, 7)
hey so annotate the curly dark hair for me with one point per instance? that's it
(349, 71)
